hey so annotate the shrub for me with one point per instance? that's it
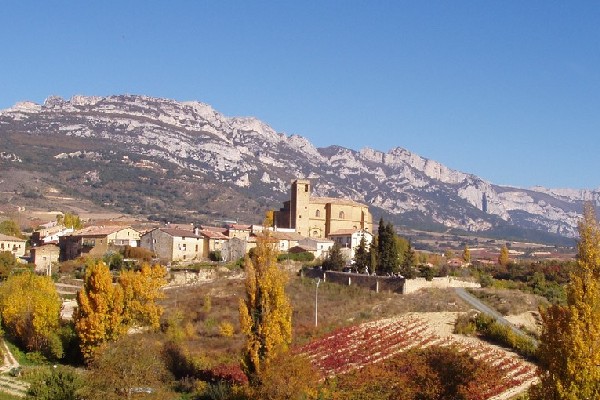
(504, 335)
(464, 325)
(226, 329)
(486, 280)
(304, 256)
(215, 255)
(139, 253)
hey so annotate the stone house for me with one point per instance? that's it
(214, 241)
(239, 231)
(49, 234)
(44, 257)
(178, 244)
(236, 248)
(96, 241)
(13, 244)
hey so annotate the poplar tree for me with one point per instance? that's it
(99, 314)
(569, 351)
(141, 290)
(466, 255)
(503, 257)
(265, 313)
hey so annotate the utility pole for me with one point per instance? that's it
(317, 301)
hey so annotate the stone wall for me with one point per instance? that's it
(413, 285)
(190, 277)
(371, 282)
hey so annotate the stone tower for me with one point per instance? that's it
(299, 202)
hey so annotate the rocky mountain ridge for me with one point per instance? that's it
(185, 149)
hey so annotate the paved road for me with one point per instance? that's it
(475, 302)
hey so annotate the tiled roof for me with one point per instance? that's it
(283, 235)
(214, 235)
(240, 227)
(99, 230)
(305, 247)
(11, 238)
(213, 228)
(320, 240)
(180, 232)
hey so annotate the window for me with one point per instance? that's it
(306, 188)
(342, 215)
(318, 213)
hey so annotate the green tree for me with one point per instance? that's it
(59, 383)
(265, 313)
(388, 257)
(361, 255)
(7, 263)
(98, 317)
(373, 254)
(503, 257)
(401, 247)
(408, 263)
(334, 260)
(30, 309)
(10, 228)
(569, 350)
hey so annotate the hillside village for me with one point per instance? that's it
(304, 224)
(316, 228)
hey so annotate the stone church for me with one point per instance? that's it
(321, 216)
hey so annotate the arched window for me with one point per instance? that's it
(342, 215)
(318, 213)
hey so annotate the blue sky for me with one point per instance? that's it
(506, 90)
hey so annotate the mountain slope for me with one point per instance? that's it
(184, 160)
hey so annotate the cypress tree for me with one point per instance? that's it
(361, 255)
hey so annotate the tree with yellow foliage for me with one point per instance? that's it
(99, 314)
(69, 220)
(466, 254)
(30, 309)
(106, 310)
(269, 220)
(141, 290)
(265, 314)
(503, 257)
(569, 351)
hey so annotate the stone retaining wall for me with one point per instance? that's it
(371, 282)
(413, 285)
